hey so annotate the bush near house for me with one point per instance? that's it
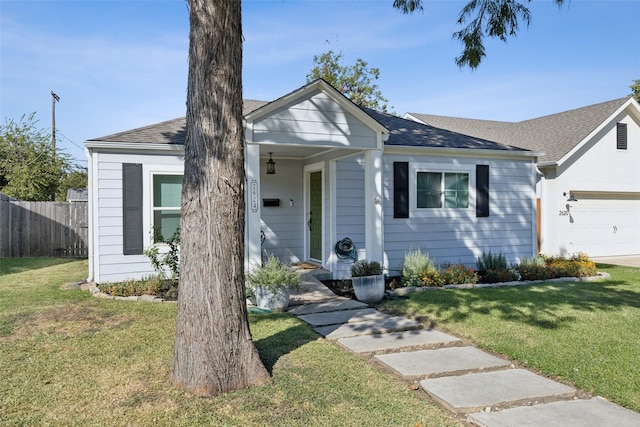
(419, 270)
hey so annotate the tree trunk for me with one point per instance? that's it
(214, 352)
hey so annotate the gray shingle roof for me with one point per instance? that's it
(403, 132)
(168, 132)
(555, 135)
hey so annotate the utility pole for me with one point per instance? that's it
(54, 98)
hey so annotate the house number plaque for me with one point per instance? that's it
(254, 196)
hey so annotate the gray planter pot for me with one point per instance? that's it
(369, 289)
(272, 300)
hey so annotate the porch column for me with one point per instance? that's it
(252, 252)
(374, 237)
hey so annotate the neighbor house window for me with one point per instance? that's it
(442, 190)
(621, 129)
(167, 190)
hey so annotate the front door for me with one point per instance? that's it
(315, 215)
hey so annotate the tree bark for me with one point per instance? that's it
(214, 352)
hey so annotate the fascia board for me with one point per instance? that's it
(463, 152)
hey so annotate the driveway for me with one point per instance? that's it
(627, 260)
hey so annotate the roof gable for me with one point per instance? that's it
(556, 135)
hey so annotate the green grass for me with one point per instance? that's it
(68, 359)
(585, 333)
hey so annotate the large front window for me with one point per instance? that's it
(167, 191)
(442, 189)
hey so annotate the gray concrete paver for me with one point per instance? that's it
(343, 316)
(396, 340)
(474, 392)
(443, 361)
(595, 412)
(327, 306)
(389, 324)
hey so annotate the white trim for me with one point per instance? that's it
(332, 261)
(405, 150)
(144, 146)
(148, 172)
(92, 212)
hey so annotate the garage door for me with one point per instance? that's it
(605, 224)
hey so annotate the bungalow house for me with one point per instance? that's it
(588, 183)
(320, 169)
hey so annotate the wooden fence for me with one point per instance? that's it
(43, 229)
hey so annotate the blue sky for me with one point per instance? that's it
(121, 64)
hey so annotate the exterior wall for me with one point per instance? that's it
(607, 173)
(349, 210)
(318, 120)
(109, 263)
(456, 235)
(283, 225)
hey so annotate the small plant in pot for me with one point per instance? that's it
(368, 281)
(272, 283)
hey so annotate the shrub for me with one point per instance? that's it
(274, 275)
(457, 274)
(489, 261)
(130, 287)
(170, 260)
(535, 272)
(431, 278)
(573, 268)
(416, 263)
(498, 276)
(364, 268)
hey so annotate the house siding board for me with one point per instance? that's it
(350, 205)
(457, 235)
(113, 265)
(316, 121)
(283, 225)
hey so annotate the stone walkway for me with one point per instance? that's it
(489, 390)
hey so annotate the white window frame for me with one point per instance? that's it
(148, 209)
(417, 212)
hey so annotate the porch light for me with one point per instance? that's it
(271, 166)
(571, 197)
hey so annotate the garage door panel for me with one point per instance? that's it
(602, 227)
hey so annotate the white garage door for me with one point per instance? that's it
(605, 225)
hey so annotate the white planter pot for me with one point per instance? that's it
(272, 300)
(369, 289)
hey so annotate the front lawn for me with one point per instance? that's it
(586, 333)
(67, 359)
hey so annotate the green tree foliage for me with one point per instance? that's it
(635, 88)
(354, 81)
(29, 168)
(493, 18)
(75, 178)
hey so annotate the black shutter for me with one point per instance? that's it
(401, 189)
(132, 209)
(482, 191)
(622, 136)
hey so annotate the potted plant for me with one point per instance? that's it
(368, 281)
(272, 283)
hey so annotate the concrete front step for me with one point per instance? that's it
(388, 324)
(344, 316)
(475, 392)
(397, 341)
(595, 412)
(440, 362)
(322, 307)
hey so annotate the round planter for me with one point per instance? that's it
(369, 289)
(272, 300)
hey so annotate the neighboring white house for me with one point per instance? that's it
(589, 178)
(387, 183)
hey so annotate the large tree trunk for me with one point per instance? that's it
(214, 352)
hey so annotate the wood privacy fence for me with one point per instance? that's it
(43, 229)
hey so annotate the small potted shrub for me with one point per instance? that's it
(368, 281)
(272, 283)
